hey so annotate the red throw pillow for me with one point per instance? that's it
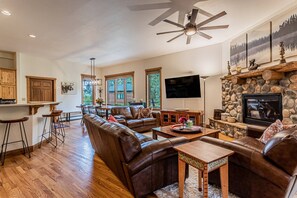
(273, 129)
(112, 119)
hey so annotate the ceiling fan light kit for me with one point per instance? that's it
(191, 28)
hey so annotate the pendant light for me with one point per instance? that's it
(94, 81)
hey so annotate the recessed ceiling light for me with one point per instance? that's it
(6, 12)
(32, 35)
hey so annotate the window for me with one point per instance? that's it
(153, 88)
(88, 95)
(120, 88)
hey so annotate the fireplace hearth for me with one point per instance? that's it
(261, 109)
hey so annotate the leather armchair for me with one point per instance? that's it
(259, 170)
(141, 163)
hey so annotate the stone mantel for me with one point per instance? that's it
(280, 78)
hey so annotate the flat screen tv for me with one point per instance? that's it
(183, 87)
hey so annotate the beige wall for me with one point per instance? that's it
(202, 61)
(226, 44)
(29, 65)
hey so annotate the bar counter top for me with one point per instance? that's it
(34, 125)
(30, 104)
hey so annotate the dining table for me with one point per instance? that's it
(103, 107)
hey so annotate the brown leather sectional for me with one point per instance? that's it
(141, 163)
(129, 116)
(257, 170)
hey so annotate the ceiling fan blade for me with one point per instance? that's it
(194, 16)
(163, 16)
(211, 19)
(173, 23)
(214, 27)
(170, 32)
(175, 37)
(150, 6)
(204, 35)
(181, 17)
(203, 12)
(189, 40)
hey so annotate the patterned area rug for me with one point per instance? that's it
(190, 189)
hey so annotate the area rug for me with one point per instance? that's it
(190, 189)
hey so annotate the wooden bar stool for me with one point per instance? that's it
(6, 136)
(56, 128)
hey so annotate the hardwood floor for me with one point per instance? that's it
(71, 170)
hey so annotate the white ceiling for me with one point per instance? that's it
(75, 30)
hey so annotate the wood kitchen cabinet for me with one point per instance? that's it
(7, 83)
(7, 75)
(7, 92)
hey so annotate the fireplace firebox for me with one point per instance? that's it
(261, 109)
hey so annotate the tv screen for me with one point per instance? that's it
(183, 87)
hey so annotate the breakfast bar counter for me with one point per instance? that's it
(33, 126)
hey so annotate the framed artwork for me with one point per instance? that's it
(238, 51)
(259, 44)
(68, 88)
(284, 29)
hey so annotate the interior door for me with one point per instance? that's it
(41, 90)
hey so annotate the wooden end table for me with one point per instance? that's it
(206, 158)
(165, 131)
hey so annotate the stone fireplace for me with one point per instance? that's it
(261, 109)
(286, 87)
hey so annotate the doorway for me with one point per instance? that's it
(41, 89)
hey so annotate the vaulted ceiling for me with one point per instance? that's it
(116, 31)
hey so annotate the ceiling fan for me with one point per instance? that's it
(192, 28)
(182, 7)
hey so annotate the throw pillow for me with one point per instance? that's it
(145, 113)
(289, 126)
(273, 129)
(112, 119)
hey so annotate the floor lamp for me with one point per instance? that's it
(204, 78)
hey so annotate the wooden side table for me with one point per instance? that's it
(206, 158)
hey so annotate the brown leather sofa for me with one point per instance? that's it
(257, 170)
(129, 116)
(141, 163)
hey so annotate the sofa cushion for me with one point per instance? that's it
(135, 110)
(251, 143)
(125, 111)
(97, 120)
(273, 129)
(129, 143)
(282, 150)
(143, 138)
(134, 123)
(149, 121)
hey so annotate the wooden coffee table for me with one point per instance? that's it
(165, 131)
(206, 158)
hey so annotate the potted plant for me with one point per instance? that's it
(99, 101)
